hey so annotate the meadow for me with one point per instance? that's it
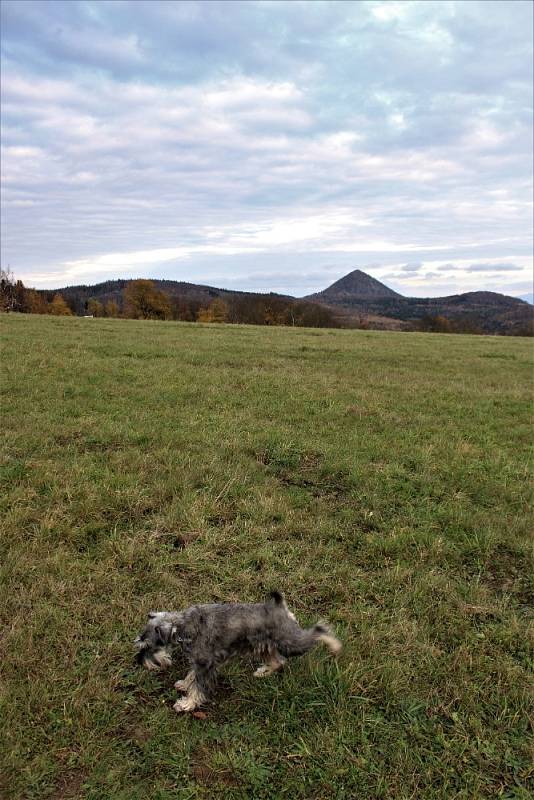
(380, 480)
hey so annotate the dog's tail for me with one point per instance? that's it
(277, 600)
(323, 633)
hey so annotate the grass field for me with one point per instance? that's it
(381, 480)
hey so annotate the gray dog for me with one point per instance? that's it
(211, 634)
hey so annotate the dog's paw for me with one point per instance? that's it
(181, 686)
(184, 706)
(263, 671)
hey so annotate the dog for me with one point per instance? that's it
(210, 634)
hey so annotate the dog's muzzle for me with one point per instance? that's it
(156, 660)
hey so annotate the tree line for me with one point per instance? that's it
(14, 296)
(437, 323)
(140, 299)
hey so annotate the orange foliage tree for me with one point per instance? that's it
(217, 311)
(111, 309)
(143, 301)
(95, 308)
(35, 303)
(59, 308)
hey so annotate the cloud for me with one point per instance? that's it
(336, 133)
(483, 267)
(413, 266)
(493, 268)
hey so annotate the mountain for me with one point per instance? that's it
(484, 312)
(355, 285)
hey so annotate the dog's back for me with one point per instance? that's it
(255, 626)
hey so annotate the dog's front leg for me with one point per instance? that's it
(183, 686)
(194, 696)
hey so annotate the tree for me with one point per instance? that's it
(143, 301)
(435, 324)
(217, 311)
(95, 308)
(59, 308)
(112, 309)
(35, 303)
(312, 315)
(185, 308)
(8, 291)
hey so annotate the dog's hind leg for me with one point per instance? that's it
(299, 640)
(274, 662)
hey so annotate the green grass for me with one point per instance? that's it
(380, 480)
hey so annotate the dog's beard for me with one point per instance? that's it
(158, 660)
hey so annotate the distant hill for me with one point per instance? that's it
(356, 300)
(188, 301)
(356, 285)
(487, 312)
(78, 296)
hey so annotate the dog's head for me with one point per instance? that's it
(155, 641)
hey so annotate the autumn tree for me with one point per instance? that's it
(112, 309)
(217, 311)
(143, 301)
(435, 324)
(59, 308)
(35, 303)
(95, 308)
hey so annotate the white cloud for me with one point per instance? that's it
(266, 129)
(392, 10)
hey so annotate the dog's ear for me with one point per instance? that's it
(276, 598)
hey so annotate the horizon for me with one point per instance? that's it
(528, 298)
(264, 147)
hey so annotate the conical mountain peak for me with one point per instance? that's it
(356, 284)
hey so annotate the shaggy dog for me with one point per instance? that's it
(210, 634)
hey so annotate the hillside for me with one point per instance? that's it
(78, 296)
(488, 312)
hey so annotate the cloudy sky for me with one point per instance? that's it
(271, 146)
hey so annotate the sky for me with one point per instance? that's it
(269, 146)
